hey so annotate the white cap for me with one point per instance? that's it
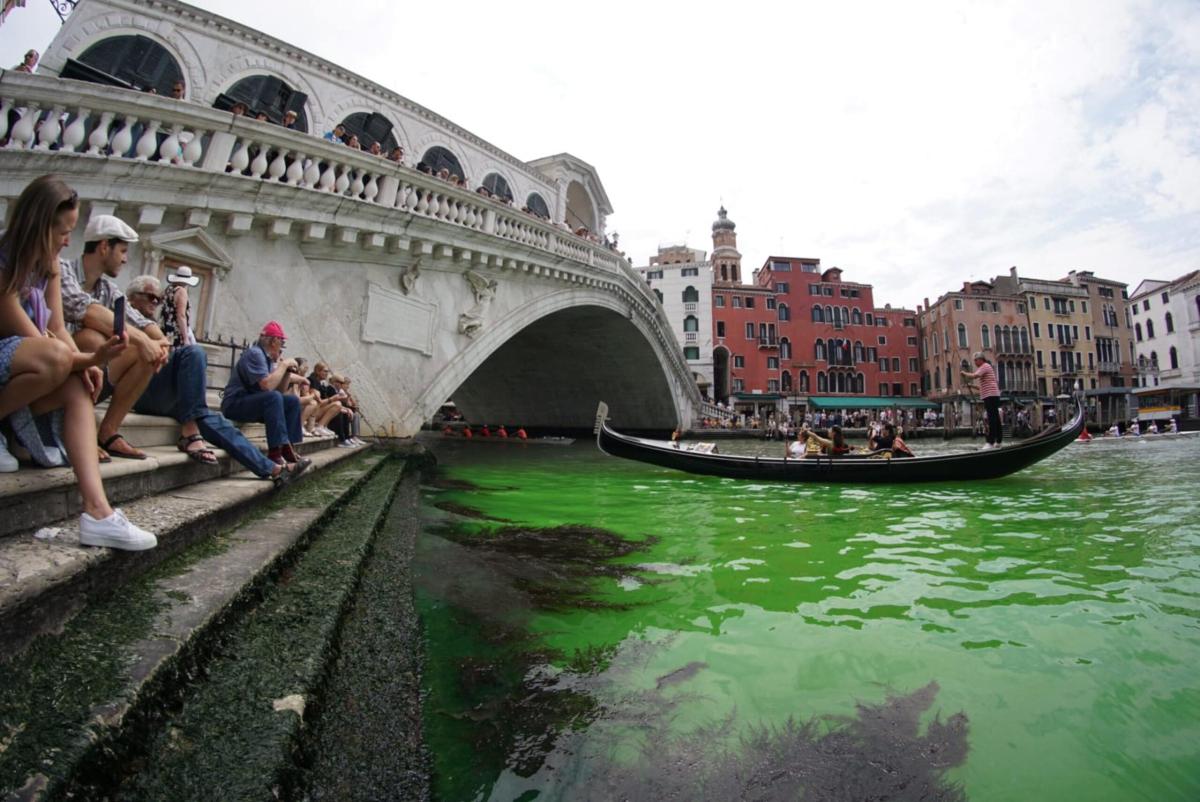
(105, 226)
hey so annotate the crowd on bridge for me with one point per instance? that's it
(70, 338)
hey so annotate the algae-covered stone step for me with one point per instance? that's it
(34, 497)
(72, 701)
(235, 732)
(44, 581)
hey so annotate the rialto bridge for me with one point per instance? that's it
(420, 290)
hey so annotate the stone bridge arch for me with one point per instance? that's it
(547, 363)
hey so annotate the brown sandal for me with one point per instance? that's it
(205, 455)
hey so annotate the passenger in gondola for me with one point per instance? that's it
(890, 442)
(1153, 428)
(833, 446)
(795, 449)
(1114, 430)
(467, 432)
(1134, 429)
(520, 434)
(485, 431)
(1172, 427)
(501, 431)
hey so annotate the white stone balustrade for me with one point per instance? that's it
(81, 119)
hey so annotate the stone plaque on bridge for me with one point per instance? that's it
(398, 320)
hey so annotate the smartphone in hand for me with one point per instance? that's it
(119, 317)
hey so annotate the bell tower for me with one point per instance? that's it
(726, 260)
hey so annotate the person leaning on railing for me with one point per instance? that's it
(42, 369)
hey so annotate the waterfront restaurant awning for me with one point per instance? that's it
(869, 402)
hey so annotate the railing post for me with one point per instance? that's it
(220, 148)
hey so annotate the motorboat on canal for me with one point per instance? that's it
(850, 468)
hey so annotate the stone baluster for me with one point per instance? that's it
(371, 190)
(295, 170)
(469, 220)
(149, 141)
(460, 215)
(328, 178)
(356, 186)
(312, 173)
(259, 165)
(5, 107)
(240, 159)
(51, 128)
(123, 141)
(343, 181)
(169, 151)
(76, 132)
(278, 165)
(23, 131)
(422, 206)
(435, 204)
(194, 149)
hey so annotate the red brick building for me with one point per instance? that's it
(798, 336)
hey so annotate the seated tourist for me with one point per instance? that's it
(254, 394)
(350, 405)
(834, 446)
(89, 295)
(179, 391)
(42, 370)
(329, 407)
(888, 442)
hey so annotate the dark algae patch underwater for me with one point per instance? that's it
(511, 715)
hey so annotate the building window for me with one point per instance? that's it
(962, 336)
(749, 331)
(770, 303)
(819, 351)
(739, 361)
(983, 306)
(691, 295)
(772, 385)
(719, 301)
(493, 183)
(691, 353)
(690, 271)
(785, 348)
(1149, 329)
(137, 61)
(1037, 330)
(870, 319)
(1170, 322)
(737, 302)
(782, 287)
(958, 304)
(784, 314)
(749, 302)
(536, 204)
(721, 328)
(912, 365)
(984, 337)
(883, 340)
(817, 315)
(804, 381)
(1146, 305)
(1174, 357)
(739, 385)
(772, 363)
(438, 158)
(856, 317)
(1165, 298)
(691, 323)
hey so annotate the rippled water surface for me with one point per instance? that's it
(1031, 638)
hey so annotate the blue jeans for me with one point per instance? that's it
(281, 414)
(178, 391)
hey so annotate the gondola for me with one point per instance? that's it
(849, 469)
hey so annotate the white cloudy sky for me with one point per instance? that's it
(915, 145)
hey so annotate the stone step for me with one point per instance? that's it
(33, 497)
(156, 430)
(161, 629)
(44, 581)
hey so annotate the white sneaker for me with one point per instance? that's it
(8, 463)
(115, 532)
(345, 444)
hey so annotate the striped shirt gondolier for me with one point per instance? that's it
(987, 381)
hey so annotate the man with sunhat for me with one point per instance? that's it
(256, 393)
(89, 293)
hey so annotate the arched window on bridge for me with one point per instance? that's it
(371, 128)
(438, 157)
(267, 94)
(690, 323)
(817, 315)
(784, 313)
(134, 62)
(822, 382)
(985, 336)
(819, 351)
(691, 295)
(495, 184)
(536, 204)
(962, 335)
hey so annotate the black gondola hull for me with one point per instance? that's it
(971, 466)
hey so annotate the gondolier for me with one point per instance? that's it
(989, 393)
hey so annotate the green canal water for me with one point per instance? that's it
(682, 637)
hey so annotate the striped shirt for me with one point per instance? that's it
(76, 300)
(987, 381)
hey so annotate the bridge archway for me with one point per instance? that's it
(548, 366)
(580, 209)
